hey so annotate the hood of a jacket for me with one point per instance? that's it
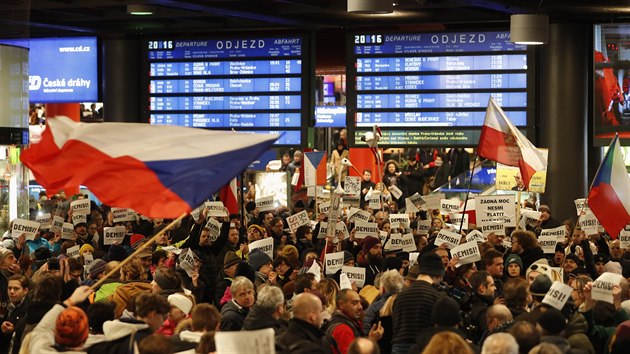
(117, 329)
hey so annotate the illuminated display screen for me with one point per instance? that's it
(253, 83)
(418, 85)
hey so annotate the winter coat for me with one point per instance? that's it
(301, 337)
(120, 336)
(258, 318)
(577, 333)
(232, 316)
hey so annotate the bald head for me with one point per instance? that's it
(497, 315)
(308, 307)
(362, 345)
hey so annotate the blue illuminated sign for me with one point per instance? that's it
(330, 116)
(62, 69)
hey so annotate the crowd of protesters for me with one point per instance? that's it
(51, 302)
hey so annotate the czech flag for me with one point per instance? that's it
(502, 142)
(609, 197)
(315, 168)
(159, 171)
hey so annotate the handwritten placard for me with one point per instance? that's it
(265, 245)
(352, 185)
(364, 229)
(333, 262)
(67, 231)
(603, 286)
(216, 209)
(297, 220)
(27, 227)
(451, 239)
(81, 206)
(355, 274)
(265, 203)
(113, 235)
(44, 220)
(467, 253)
(557, 295)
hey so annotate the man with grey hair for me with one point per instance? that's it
(498, 318)
(390, 283)
(234, 311)
(500, 343)
(267, 311)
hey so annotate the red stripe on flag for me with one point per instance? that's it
(608, 208)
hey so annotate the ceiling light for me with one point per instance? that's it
(140, 10)
(529, 29)
(371, 6)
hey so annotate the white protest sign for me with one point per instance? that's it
(260, 341)
(475, 236)
(324, 207)
(602, 286)
(274, 165)
(171, 249)
(265, 203)
(215, 228)
(316, 271)
(413, 258)
(558, 232)
(375, 200)
(581, 206)
(588, 223)
(26, 227)
(495, 209)
(358, 215)
(364, 229)
(394, 243)
(351, 200)
(352, 185)
(295, 178)
(73, 252)
(467, 253)
(493, 226)
(355, 274)
(44, 220)
(456, 219)
(113, 235)
(297, 220)
(79, 218)
(382, 235)
(410, 207)
(88, 258)
(423, 227)
(449, 206)
(408, 243)
(216, 209)
(344, 282)
(319, 190)
(557, 295)
(451, 239)
(196, 213)
(399, 220)
(57, 223)
(265, 245)
(323, 229)
(529, 217)
(416, 200)
(432, 201)
(624, 239)
(67, 231)
(122, 214)
(187, 262)
(395, 191)
(341, 228)
(548, 243)
(81, 206)
(333, 262)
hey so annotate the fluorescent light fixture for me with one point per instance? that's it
(371, 6)
(529, 29)
(140, 10)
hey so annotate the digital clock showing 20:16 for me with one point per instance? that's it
(160, 45)
(368, 39)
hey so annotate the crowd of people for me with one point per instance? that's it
(162, 302)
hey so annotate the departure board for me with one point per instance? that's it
(433, 88)
(258, 84)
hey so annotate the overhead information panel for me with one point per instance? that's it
(427, 82)
(233, 83)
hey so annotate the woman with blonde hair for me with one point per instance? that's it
(447, 343)
(329, 288)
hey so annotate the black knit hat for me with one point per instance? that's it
(552, 321)
(446, 312)
(431, 264)
(540, 286)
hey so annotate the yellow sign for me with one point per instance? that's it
(509, 178)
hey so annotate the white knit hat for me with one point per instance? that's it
(181, 302)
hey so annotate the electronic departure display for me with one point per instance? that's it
(259, 84)
(434, 87)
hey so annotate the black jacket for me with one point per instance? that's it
(258, 318)
(415, 179)
(301, 337)
(232, 317)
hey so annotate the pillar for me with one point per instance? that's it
(121, 81)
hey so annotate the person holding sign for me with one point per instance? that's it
(366, 185)
(393, 177)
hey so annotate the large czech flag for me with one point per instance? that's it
(159, 171)
(609, 197)
(315, 168)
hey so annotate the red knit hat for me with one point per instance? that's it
(72, 327)
(136, 240)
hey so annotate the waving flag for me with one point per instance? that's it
(159, 171)
(315, 168)
(502, 142)
(609, 197)
(229, 196)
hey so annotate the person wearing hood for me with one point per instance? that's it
(267, 311)
(121, 334)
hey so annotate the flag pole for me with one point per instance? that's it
(518, 209)
(136, 252)
(472, 170)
